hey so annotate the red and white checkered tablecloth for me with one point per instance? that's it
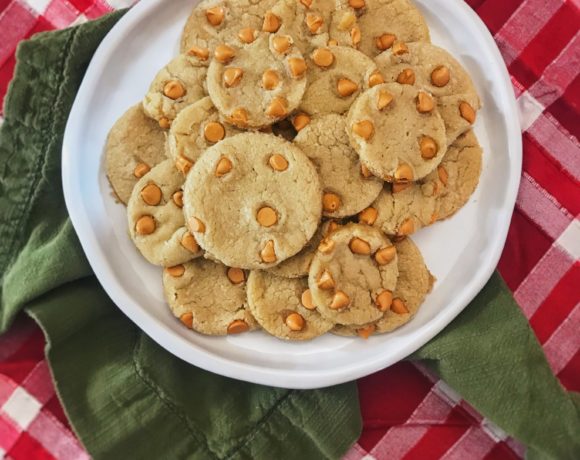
(420, 417)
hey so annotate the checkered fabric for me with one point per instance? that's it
(419, 416)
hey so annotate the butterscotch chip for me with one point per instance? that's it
(387, 150)
(215, 15)
(399, 307)
(151, 194)
(282, 43)
(314, 22)
(306, 300)
(268, 253)
(407, 228)
(238, 327)
(406, 77)
(164, 123)
(385, 41)
(323, 57)
(177, 198)
(176, 271)
(140, 170)
(297, 67)
(216, 304)
(359, 246)
(467, 112)
(398, 187)
(173, 89)
(385, 255)
(200, 53)
(357, 4)
(247, 35)
(330, 202)
(442, 174)
(271, 22)
(326, 246)
(440, 76)
(347, 20)
(270, 79)
(239, 117)
(236, 275)
(233, 76)
(278, 108)
(295, 322)
(400, 48)
(340, 300)
(355, 36)
(224, 53)
(368, 216)
(346, 87)
(145, 225)
(348, 295)
(306, 3)
(267, 217)
(183, 165)
(366, 332)
(278, 162)
(196, 225)
(384, 300)
(376, 79)
(428, 147)
(300, 121)
(187, 319)
(223, 167)
(425, 102)
(214, 132)
(364, 171)
(332, 42)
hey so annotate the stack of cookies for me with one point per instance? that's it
(277, 167)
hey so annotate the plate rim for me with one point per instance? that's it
(295, 379)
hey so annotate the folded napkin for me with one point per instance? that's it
(128, 398)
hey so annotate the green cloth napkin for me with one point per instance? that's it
(128, 398)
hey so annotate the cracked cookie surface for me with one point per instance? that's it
(135, 144)
(345, 190)
(156, 222)
(201, 294)
(253, 200)
(353, 275)
(276, 303)
(396, 140)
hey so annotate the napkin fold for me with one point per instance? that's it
(128, 398)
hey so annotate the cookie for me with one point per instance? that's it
(457, 176)
(208, 297)
(298, 266)
(373, 26)
(346, 191)
(336, 76)
(395, 138)
(353, 275)
(414, 283)
(255, 85)
(253, 200)
(156, 222)
(179, 84)
(438, 73)
(213, 22)
(276, 304)
(196, 128)
(402, 209)
(135, 144)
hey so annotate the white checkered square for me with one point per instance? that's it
(22, 407)
(39, 6)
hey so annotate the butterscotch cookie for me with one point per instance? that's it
(414, 283)
(336, 76)
(217, 21)
(353, 275)
(135, 144)
(277, 305)
(208, 297)
(402, 209)
(457, 176)
(156, 222)
(255, 85)
(179, 84)
(373, 26)
(346, 191)
(196, 128)
(439, 74)
(253, 200)
(396, 138)
(298, 266)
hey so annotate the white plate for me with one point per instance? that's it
(462, 252)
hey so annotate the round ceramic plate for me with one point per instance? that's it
(462, 252)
